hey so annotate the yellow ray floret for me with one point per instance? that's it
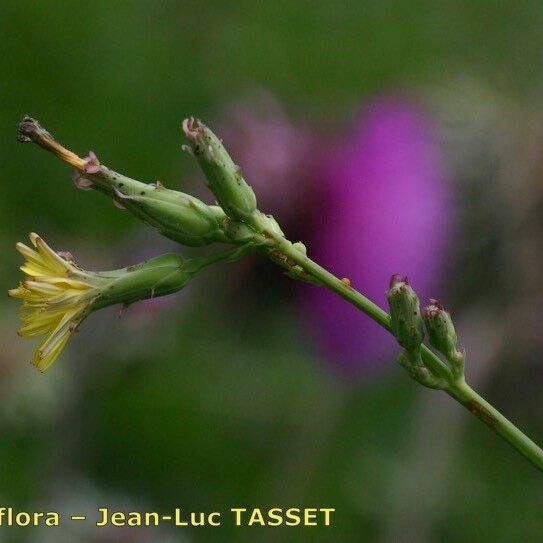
(56, 295)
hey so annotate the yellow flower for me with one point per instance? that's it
(57, 295)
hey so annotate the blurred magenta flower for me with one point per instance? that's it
(370, 203)
(273, 150)
(386, 208)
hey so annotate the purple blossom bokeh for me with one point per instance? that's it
(372, 202)
(386, 209)
(274, 152)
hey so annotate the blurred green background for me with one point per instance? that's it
(216, 400)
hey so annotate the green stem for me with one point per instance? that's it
(226, 180)
(354, 297)
(483, 410)
(458, 389)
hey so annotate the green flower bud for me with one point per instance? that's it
(238, 232)
(176, 215)
(411, 361)
(272, 224)
(299, 246)
(156, 277)
(441, 332)
(405, 317)
(224, 178)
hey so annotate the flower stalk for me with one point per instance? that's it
(237, 221)
(421, 363)
(460, 391)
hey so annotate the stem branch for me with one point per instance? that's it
(483, 410)
(31, 131)
(459, 389)
(354, 297)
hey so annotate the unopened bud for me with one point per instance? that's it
(156, 277)
(299, 246)
(238, 232)
(405, 317)
(441, 331)
(411, 361)
(176, 215)
(269, 222)
(224, 178)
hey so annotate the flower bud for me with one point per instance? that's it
(224, 178)
(411, 361)
(156, 277)
(299, 246)
(441, 331)
(405, 317)
(238, 232)
(176, 215)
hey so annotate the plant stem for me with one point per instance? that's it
(483, 410)
(458, 389)
(31, 131)
(354, 297)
